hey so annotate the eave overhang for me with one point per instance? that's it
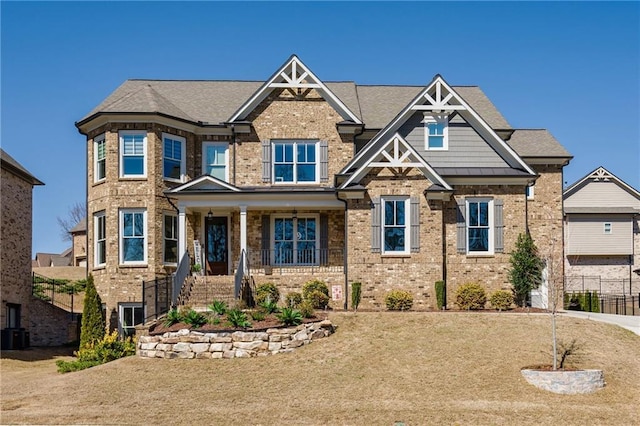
(197, 127)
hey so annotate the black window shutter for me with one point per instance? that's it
(375, 225)
(462, 227)
(324, 239)
(266, 240)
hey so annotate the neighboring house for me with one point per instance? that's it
(391, 186)
(51, 260)
(602, 234)
(79, 244)
(16, 189)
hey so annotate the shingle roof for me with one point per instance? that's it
(9, 163)
(80, 227)
(537, 143)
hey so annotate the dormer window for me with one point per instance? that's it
(436, 132)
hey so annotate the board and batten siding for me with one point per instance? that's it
(466, 146)
(601, 194)
(585, 235)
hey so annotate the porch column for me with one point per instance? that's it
(243, 228)
(182, 232)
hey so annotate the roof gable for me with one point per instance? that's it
(440, 98)
(205, 183)
(601, 189)
(397, 155)
(294, 75)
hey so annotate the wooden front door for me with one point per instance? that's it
(216, 246)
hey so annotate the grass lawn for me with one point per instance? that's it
(379, 368)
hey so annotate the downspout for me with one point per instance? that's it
(344, 261)
(233, 143)
(444, 255)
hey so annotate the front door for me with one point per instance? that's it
(216, 246)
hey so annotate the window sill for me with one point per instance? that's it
(99, 182)
(133, 178)
(133, 265)
(480, 255)
(396, 255)
(100, 268)
(166, 179)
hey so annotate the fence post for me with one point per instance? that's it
(155, 294)
(144, 303)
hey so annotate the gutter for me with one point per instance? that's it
(345, 256)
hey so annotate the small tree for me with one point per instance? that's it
(92, 328)
(526, 269)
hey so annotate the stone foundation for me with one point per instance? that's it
(566, 382)
(188, 344)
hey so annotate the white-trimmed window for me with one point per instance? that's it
(436, 130)
(295, 161)
(295, 240)
(479, 226)
(530, 192)
(607, 228)
(170, 238)
(133, 236)
(130, 315)
(395, 225)
(173, 157)
(133, 154)
(215, 160)
(100, 238)
(100, 158)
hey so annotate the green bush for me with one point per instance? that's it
(471, 296)
(108, 349)
(316, 292)
(237, 318)
(290, 316)
(595, 302)
(356, 294)
(501, 300)
(293, 299)
(194, 319)
(92, 327)
(258, 315)
(267, 291)
(71, 366)
(398, 300)
(173, 317)
(269, 306)
(440, 294)
(218, 306)
(306, 309)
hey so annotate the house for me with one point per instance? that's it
(602, 234)
(294, 178)
(16, 187)
(52, 260)
(79, 244)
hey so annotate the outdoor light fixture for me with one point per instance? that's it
(210, 214)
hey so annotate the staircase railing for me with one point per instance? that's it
(242, 271)
(180, 277)
(57, 292)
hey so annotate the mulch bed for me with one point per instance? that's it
(268, 322)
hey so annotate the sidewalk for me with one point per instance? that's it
(629, 322)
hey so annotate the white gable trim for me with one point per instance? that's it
(203, 181)
(401, 155)
(601, 174)
(438, 96)
(293, 75)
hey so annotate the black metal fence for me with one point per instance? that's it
(60, 293)
(620, 304)
(156, 297)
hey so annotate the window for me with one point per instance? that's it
(394, 225)
(131, 314)
(530, 192)
(170, 239)
(479, 226)
(214, 160)
(607, 228)
(295, 241)
(13, 315)
(436, 132)
(100, 155)
(133, 149)
(100, 237)
(173, 157)
(133, 247)
(295, 161)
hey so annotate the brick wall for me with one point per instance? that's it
(51, 326)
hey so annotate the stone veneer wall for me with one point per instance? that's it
(566, 382)
(190, 344)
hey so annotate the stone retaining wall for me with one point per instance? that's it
(566, 382)
(238, 344)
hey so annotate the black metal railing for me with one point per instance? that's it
(623, 304)
(156, 297)
(289, 260)
(59, 292)
(180, 277)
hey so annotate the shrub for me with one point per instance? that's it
(526, 268)
(306, 309)
(398, 300)
(237, 318)
(173, 317)
(214, 320)
(92, 327)
(318, 299)
(356, 294)
(109, 348)
(194, 319)
(440, 294)
(293, 299)
(267, 290)
(290, 316)
(218, 306)
(269, 306)
(595, 302)
(316, 292)
(501, 300)
(258, 315)
(471, 296)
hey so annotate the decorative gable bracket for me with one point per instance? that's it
(442, 100)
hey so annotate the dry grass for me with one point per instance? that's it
(379, 368)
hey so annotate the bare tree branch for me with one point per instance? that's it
(76, 213)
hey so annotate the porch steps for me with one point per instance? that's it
(209, 288)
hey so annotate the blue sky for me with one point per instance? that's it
(572, 68)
